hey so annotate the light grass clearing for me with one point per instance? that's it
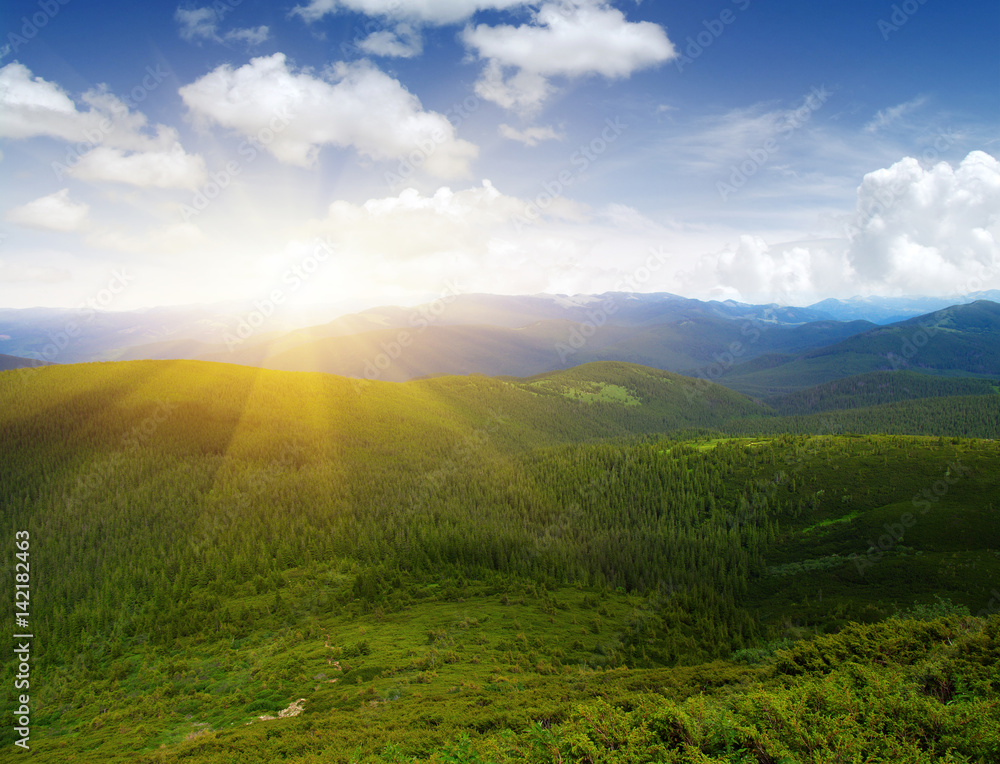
(593, 392)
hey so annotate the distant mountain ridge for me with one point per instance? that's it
(762, 350)
(9, 362)
(888, 310)
(253, 331)
(962, 340)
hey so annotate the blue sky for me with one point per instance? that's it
(762, 151)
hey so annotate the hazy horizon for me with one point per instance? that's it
(363, 305)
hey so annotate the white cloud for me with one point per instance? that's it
(929, 231)
(350, 105)
(716, 141)
(24, 97)
(197, 24)
(531, 136)
(487, 241)
(175, 238)
(55, 212)
(575, 38)
(157, 169)
(412, 225)
(795, 273)
(31, 106)
(566, 38)
(886, 117)
(524, 91)
(627, 218)
(41, 274)
(399, 33)
(109, 140)
(427, 11)
(402, 42)
(571, 38)
(249, 37)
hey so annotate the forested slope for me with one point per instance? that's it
(209, 539)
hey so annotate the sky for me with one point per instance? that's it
(364, 152)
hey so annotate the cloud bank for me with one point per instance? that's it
(914, 230)
(109, 141)
(569, 39)
(350, 105)
(55, 212)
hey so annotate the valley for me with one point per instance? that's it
(500, 382)
(467, 568)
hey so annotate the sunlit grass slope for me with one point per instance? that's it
(465, 555)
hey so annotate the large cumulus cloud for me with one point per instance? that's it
(928, 230)
(109, 141)
(915, 229)
(350, 105)
(571, 39)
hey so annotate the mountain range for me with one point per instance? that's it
(762, 350)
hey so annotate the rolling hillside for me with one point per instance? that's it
(427, 570)
(876, 388)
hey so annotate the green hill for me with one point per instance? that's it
(485, 569)
(876, 388)
(967, 416)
